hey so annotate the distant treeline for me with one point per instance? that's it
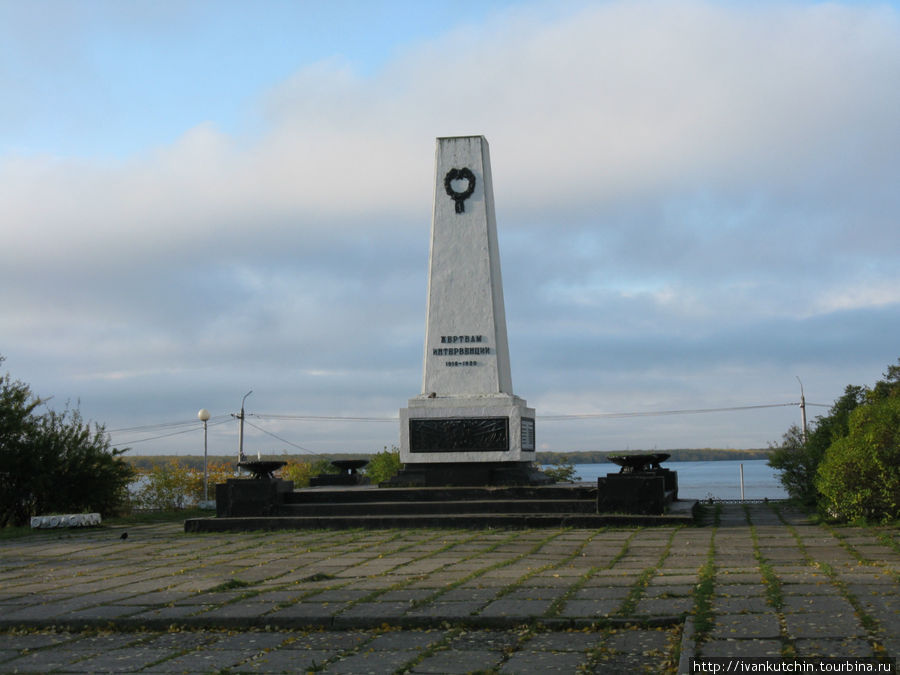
(678, 455)
(145, 462)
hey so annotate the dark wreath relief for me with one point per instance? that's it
(459, 197)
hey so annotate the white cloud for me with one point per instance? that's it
(871, 294)
(672, 180)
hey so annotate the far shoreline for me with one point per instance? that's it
(543, 456)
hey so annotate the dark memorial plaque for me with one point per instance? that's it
(527, 433)
(469, 434)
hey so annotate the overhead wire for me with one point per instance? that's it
(161, 425)
(283, 440)
(222, 419)
(577, 416)
(321, 418)
(660, 413)
(196, 427)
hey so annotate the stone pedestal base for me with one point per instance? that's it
(644, 492)
(467, 440)
(460, 429)
(243, 497)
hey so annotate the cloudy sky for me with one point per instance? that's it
(697, 203)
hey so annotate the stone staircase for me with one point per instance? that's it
(560, 505)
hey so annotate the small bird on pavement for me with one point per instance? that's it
(124, 536)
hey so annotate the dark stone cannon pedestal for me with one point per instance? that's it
(348, 474)
(641, 486)
(261, 495)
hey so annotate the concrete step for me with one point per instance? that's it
(372, 493)
(681, 515)
(385, 508)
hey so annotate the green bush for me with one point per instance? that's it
(561, 472)
(175, 485)
(164, 487)
(848, 465)
(55, 462)
(301, 472)
(81, 472)
(384, 465)
(860, 474)
(798, 462)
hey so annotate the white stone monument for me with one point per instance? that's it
(466, 427)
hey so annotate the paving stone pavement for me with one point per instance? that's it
(753, 580)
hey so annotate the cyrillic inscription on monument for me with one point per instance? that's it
(468, 345)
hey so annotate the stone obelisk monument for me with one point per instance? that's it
(466, 427)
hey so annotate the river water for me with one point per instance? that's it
(696, 480)
(702, 480)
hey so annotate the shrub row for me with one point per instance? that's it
(849, 463)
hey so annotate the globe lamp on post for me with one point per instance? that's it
(203, 416)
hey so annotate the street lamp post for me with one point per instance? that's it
(203, 416)
(802, 411)
(241, 432)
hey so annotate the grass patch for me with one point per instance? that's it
(441, 645)
(134, 518)
(638, 588)
(888, 539)
(883, 538)
(636, 592)
(703, 591)
(773, 584)
(343, 582)
(318, 576)
(557, 606)
(869, 622)
(151, 517)
(403, 583)
(484, 570)
(14, 532)
(230, 585)
(523, 635)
